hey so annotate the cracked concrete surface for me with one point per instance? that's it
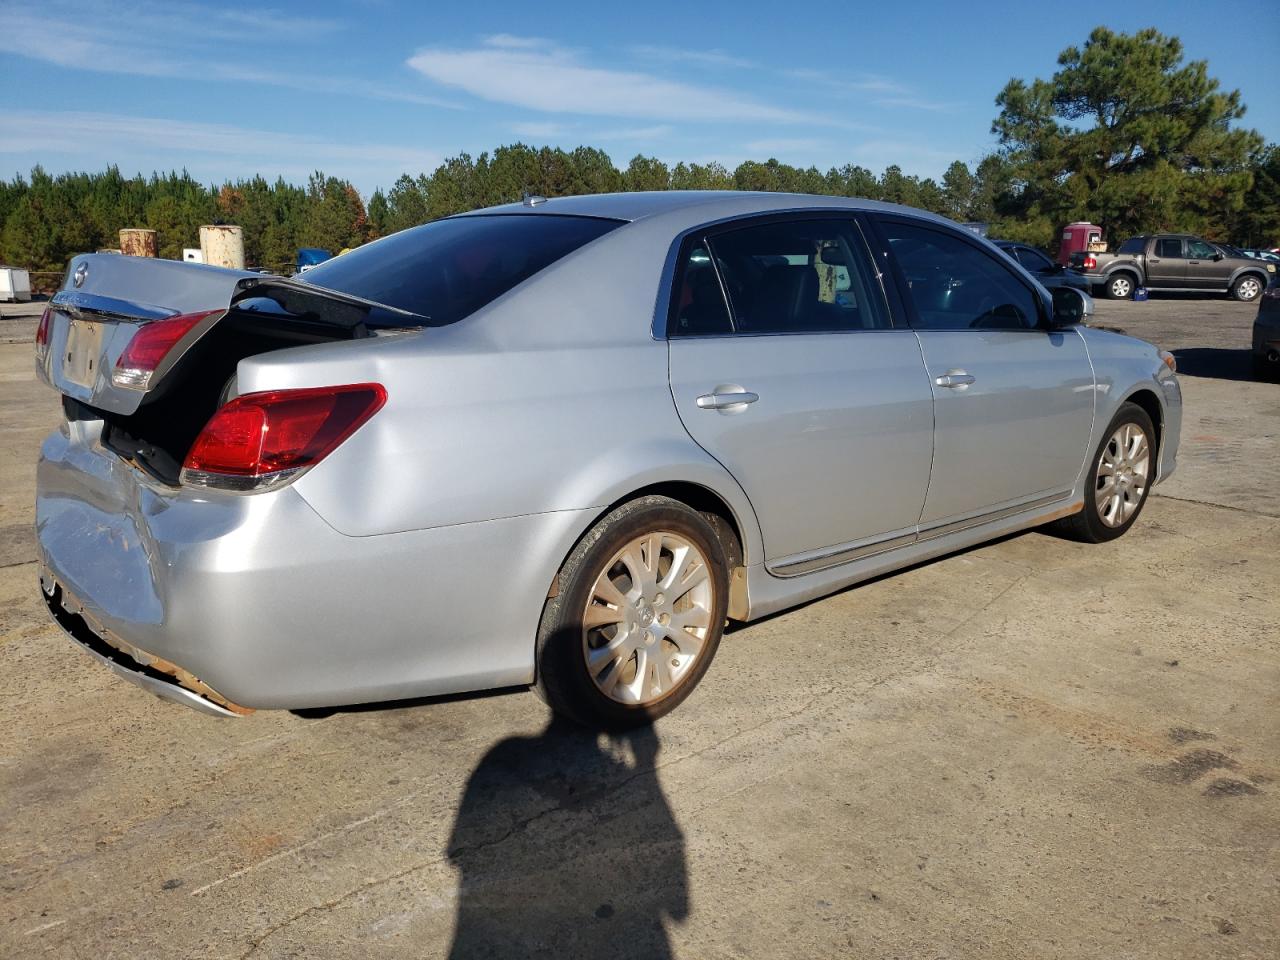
(1034, 748)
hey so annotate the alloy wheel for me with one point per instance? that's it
(1249, 288)
(1123, 474)
(648, 618)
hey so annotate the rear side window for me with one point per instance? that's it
(804, 276)
(1033, 260)
(1133, 245)
(449, 269)
(1169, 248)
(956, 286)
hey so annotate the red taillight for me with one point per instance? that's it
(150, 345)
(42, 333)
(1090, 263)
(260, 440)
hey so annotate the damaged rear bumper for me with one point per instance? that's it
(153, 674)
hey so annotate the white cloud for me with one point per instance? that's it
(555, 81)
(111, 135)
(710, 58)
(175, 43)
(511, 42)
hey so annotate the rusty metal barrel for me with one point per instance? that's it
(138, 242)
(222, 246)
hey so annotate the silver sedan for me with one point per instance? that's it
(559, 444)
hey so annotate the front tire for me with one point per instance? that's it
(637, 618)
(1247, 288)
(1122, 471)
(1120, 287)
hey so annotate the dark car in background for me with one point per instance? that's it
(1266, 334)
(1042, 266)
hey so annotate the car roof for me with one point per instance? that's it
(702, 206)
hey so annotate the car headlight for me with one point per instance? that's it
(1170, 365)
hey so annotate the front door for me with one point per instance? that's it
(1166, 263)
(786, 368)
(1013, 402)
(1203, 271)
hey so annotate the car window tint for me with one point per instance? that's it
(451, 268)
(1033, 260)
(1133, 245)
(1199, 250)
(1169, 248)
(699, 308)
(803, 276)
(956, 286)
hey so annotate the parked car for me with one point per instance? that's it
(1042, 266)
(1266, 334)
(559, 444)
(1266, 255)
(1173, 262)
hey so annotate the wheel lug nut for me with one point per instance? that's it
(660, 599)
(664, 618)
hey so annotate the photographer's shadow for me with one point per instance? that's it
(566, 847)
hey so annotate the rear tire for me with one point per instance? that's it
(637, 617)
(1121, 473)
(1247, 289)
(1120, 287)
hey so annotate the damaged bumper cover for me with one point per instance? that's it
(153, 674)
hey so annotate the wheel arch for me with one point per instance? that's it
(1150, 403)
(730, 516)
(1131, 269)
(1243, 272)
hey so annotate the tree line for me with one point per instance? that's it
(1124, 134)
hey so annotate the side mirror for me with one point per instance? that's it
(1217, 256)
(1070, 307)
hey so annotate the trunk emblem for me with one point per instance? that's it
(77, 278)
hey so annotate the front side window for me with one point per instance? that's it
(1199, 250)
(1169, 248)
(956, 286)
(448, 269)
(804, 276)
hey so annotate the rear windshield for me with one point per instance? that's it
(449, 269)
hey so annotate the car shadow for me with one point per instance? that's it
(1217, 363)
(565, 846)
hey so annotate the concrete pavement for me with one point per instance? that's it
(1032, 749)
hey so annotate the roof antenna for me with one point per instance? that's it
(532, 199)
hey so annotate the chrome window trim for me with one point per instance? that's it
(660, 328)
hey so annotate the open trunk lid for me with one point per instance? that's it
(108, 299)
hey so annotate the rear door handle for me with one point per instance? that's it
(954, 378)
(722, 401)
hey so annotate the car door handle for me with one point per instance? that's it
(721, 401)
(954, 378)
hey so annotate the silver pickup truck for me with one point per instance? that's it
(1174, 262)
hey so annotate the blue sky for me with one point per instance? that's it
(367, 90)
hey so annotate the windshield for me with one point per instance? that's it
(448, 269)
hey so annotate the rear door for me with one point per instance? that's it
(786, 368)
(1013, 401)
(1166, 263)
